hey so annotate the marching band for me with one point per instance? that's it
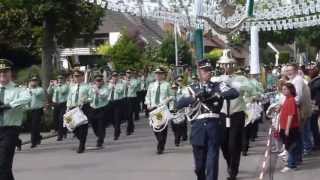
(223, 111)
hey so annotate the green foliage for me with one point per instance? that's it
(267, 57)
(214, 55)
(242, 2)
(126, 53)
(276, 37)
(151, 56)
(104, 50)
(23, 22)
(167, 50)
(19, 56)
(23, 75)
(284, 57)
(238, 39)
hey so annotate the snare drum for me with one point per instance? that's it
(74, 118)
(159, 118)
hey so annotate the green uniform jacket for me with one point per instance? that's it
(18, 99)
(118, 89)
(133, 87)
(99, 98)
(83, 95)
(165, 92)
(38, 97)
(59, 93)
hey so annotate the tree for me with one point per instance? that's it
(126, 53)
(151, 56)
(46, 24)
(167, 50)
(214, 55)
(104, 50)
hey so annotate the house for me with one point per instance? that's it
(113, 23)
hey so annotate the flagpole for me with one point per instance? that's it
(176, 44)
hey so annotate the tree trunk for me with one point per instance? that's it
(47, 53)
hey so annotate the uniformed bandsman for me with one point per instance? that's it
(257, 91)
(206, 128)
(98, 96)
(176, 128)
(13, 101)
(78, 97)
(116, 88)
(131, 89)
(157, 93)
(234, 122)
(59, 91)
(148, 79)
(137, 81)
(195, 79)
(36, 109)
(180, 130)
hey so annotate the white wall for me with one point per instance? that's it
(113, 37)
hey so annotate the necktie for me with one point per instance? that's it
(112, 94)
(126, 90)
(96, 100)
(77, 95)
(2, 102)
(57, 95)
(175, 100)
(157, 101)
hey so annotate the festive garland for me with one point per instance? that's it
(267, 15)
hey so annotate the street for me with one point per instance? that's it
(130, 157)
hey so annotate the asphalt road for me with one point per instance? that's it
(131, 157)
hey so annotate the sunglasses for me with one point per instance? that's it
(99, 80)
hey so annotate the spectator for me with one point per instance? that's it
(303, 100)
(314, 85)
(289, 126)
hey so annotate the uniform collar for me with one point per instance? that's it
(10, 84)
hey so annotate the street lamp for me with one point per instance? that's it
(276, 51)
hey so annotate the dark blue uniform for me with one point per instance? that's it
(206, 128)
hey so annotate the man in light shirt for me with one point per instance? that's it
(303, 100)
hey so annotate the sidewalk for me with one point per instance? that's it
(308, 170)
(25, 137)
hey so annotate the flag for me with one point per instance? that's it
(250, 4)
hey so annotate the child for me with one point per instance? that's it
(289, 126)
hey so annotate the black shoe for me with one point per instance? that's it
(80, 149)
(33, 146)
(59, 139)
(99, 144)
(184, 138)
(129, 133)
(39, 140)
(244, 153)
(177, 143)
(159, 151)
(115, 138)
(231, 178)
